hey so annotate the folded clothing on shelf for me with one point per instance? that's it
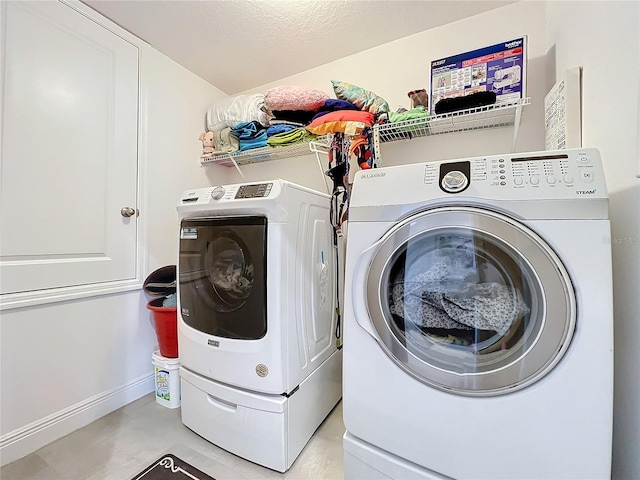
(351, 122)
(280, 128)
(295, 135)
(250, 135)
(414, 113)
(294, 97)
(232, 110)
(333, 105)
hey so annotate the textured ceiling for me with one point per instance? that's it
(237, 45)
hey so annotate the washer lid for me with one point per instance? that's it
(469, 301)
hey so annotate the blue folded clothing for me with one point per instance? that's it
(280, 128)
(332, 104)
(256, 142)
(246, 130)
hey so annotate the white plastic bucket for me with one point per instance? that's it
(167, 379)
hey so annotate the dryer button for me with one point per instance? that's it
(586, 176)
(454, 181)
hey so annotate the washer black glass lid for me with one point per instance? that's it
(222, 275)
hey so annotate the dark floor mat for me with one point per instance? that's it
(170, 467)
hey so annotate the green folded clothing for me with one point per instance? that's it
(295, 135)
(413, 114)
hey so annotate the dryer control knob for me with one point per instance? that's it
(217, 193)
(454, 181)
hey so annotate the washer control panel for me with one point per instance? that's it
(254, 191)
(577, 172)
(230, 193)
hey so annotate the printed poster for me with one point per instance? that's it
(563, 112)
(499, 68)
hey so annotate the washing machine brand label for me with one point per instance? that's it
(213, 343)
(189, 233)
(185, 311)
(586, 192)
(371, 175)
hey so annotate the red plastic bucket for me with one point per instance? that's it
(166, 322)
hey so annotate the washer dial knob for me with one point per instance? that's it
(217, 193)
(454, 181)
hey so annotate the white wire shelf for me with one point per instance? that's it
(489, 116)
(260, 154)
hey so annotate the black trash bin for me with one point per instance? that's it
(162, 282)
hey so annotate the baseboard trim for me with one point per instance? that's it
(23, 441)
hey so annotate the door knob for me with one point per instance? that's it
(128, 212)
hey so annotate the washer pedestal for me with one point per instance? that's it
(270, 430)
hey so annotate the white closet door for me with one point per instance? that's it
(69, 149)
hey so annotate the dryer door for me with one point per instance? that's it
(470, 301)
(222, 276)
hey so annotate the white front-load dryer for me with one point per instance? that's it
(478, 320)
(257, 323)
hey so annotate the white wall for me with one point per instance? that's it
(604, 38)
(175, 102)
(65, 364)
(393, 69)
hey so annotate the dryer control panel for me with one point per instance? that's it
(564, 173)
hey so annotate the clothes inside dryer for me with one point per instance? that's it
(459, 289)
(222, 274)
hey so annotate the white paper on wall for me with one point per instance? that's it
(563, 112)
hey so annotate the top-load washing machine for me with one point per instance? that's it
(478, 320)
(257, 323)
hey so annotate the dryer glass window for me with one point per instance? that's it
(462, 300)
(222, 276)
(470, 301)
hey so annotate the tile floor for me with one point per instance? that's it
(121, 444)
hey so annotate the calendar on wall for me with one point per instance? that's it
(563, 112)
